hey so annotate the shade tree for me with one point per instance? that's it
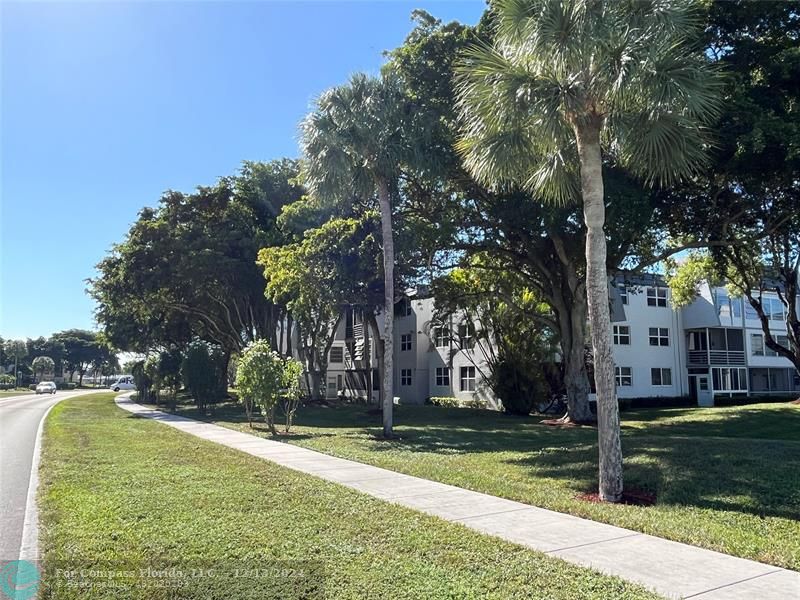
(460, 218)
(187, 267)
(335, 265)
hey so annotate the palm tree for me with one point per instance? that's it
(354, 143)
(567, 83)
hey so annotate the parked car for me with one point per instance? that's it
(123, 383)
(46, 387)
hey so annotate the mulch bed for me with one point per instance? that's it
(629, 496)
(565, 423)
(558, 423)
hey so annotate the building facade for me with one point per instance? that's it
(711, 348)
(430, 359)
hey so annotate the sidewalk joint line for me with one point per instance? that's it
(721, 587)
(491, 514)
(392, 499)
(620, 537)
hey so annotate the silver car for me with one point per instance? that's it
(46, 387)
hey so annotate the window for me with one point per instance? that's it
(729, 379)
(757, 344)
(466, 333)
(442, 377)
(405, 342)
(622, 335)
(403, 308)
(659, 336)
(750, 312)
(467, 379)
(782, 340)
(773, 308)
(405, 376)
(441, 337)
(661, 376)
(337, 354)
(736, 308)
(723, 305)
(657, 296)
(623, 376)
(623, 292)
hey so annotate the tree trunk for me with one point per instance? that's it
(576, 382)
(318, 383)
(289, 334)
(588, 138)
(376, 334)
(571, 323)
(388, 305)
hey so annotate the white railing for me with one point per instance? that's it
(715, 357)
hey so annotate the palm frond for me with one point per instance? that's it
(662, 148)
(556, 178)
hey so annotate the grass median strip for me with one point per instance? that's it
(120, 490)
(726, 479)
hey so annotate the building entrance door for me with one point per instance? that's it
(705, 396)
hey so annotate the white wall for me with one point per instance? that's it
(641, 357)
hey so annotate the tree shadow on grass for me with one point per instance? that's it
(750, 477)
(778, 421)
(685, 463)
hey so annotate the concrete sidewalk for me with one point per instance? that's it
(670, 568)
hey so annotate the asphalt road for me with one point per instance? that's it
(19, 424)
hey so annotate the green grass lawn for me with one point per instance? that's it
(727, 479)
(117, 491)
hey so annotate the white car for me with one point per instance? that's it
(46, 387)
(123, 383)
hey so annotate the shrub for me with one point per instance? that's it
(447, 401)
(142, 381)
(451, 402)
(291, 392)
(477, 403)
(516, 389)
(32, 387)
(203, 372)
(264, 379)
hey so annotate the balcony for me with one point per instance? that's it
(715, 357)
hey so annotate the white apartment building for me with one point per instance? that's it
(430, 359)
(714, 347)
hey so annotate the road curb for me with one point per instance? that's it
(29, 544)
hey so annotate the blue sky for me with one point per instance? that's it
(106, 105)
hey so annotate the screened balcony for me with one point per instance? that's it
(715, 346)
